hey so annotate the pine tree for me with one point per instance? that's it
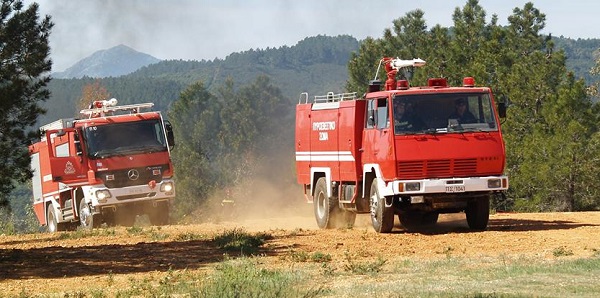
(195, 121)
(24, 53)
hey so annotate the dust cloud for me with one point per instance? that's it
(257, 204)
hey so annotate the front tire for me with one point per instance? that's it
(382, 217)
(51, 222)
(478, 213)
(87, 220)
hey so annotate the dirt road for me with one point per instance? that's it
(55, 263)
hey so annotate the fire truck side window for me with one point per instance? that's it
(382, 113)
(377, 113)
(370, 114)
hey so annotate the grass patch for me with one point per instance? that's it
(243, 278)
(188, 236)
(82, 233)
(368, 267)
(562, 252)
(135, 230)
(302, 256)
(238, 240)
(483, 277)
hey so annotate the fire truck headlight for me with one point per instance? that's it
(166, 187)
(103, 194)
(412, 186)
(494, 183)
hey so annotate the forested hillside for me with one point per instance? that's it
(581, 54)
(315, 65)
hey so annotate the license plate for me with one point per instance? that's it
(455, 188)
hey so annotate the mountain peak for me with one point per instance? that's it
(116, 61)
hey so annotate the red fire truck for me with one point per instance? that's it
(107, 168)
(415, 152)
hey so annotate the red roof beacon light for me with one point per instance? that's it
(402, 85)
(437, 82)
(468, 82)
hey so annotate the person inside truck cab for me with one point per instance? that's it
(462, 113)
(405, 119)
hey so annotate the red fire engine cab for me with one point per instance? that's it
(107, 168)
(415, 152)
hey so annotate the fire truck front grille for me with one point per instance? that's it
(444, 168)
(132, 176)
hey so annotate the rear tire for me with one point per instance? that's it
(324, 205)
(382, 217)
(478, 213)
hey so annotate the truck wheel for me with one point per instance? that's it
(51, 222)
(87, 220)
(381, 217)
(478, 213)
(325, 206)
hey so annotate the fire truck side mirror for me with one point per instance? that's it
(370, 118)
(170, 136)
(502, 110)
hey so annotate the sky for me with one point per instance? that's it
(205, 29)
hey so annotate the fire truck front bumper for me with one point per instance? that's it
(100, 195)
(418, 188)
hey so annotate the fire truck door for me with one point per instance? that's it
(65, 163)
(378, 136)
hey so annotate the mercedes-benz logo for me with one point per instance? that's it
(133, 174)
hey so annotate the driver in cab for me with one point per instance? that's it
(404, 118)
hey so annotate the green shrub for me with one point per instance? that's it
(238, 240)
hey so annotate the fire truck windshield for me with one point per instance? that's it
(124, 138)
(443, 113)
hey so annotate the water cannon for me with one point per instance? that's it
(393, 65)
(398, 63)
(105, 103)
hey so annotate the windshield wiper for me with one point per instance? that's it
(433, 131)
(103, 153)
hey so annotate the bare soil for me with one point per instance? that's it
(54, 263)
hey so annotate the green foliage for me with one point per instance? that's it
(25, 64)
(238, 240)
(226, 138)
(562, 251)
(19, 218)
